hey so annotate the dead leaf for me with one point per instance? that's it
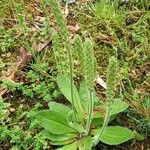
(43, 45)
(3, 91)
(105, 39)
(101, 82)
(66, 11)
(11, 109)
(73, 29)
(23, 58)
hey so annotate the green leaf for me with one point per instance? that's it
(85, 143)
(54, 122)
(61, 142)
(56, 137)
(59, 108)
(97, 101)
(83, 92)
(65, 87)
(72, 146)
(72, 122)
(97, 121)
(117, 106)
(114, 135)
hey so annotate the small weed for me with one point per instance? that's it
(6, 40)
(15, 134)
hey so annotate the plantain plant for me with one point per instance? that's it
(85, 121)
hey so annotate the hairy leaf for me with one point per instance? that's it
(97, 121)
(72, 146)
(56, 137)
(61, 142)
(59, 108)
(85, 143)
(117, 106)
(65, 87)
(114, 135)
(72, 122)
(54, 122)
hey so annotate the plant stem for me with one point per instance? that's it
(64, 35)
(78, 112)
(101, 131)
(90, 112)
(71, 77)
(111, 78)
